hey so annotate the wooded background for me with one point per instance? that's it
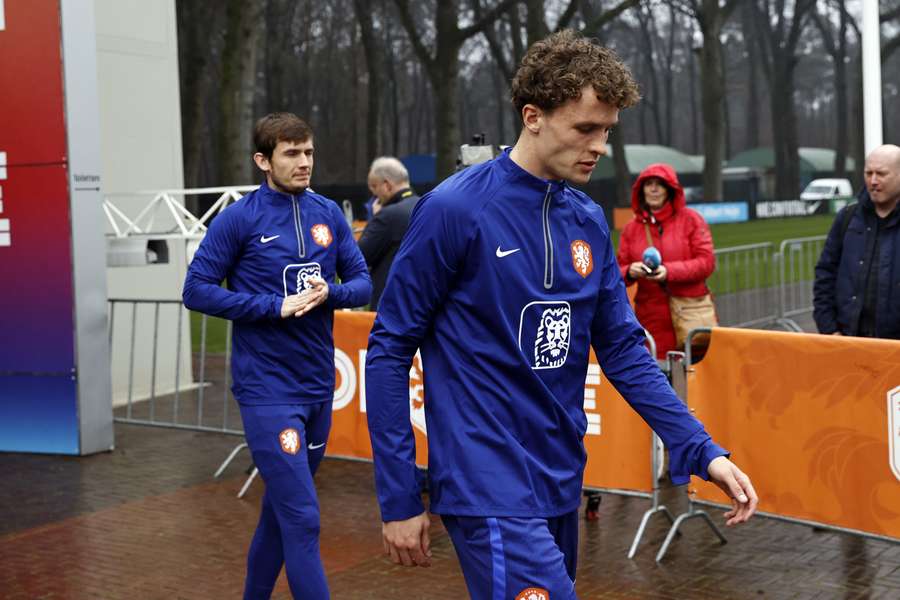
(395, 77)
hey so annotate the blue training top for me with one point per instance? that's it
(505, 280)
(267, 246)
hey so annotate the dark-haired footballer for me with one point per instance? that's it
(281, 248)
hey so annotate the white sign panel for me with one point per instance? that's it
(893, 398)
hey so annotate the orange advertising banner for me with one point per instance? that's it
(814, 420)
(618, 442)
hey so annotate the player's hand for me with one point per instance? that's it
(736, 486)
(312, 296)
(659, 274)
(837, 333)
(638, 270)
(291, 305)
(407, 542)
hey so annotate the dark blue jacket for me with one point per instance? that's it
(266, 246)
(505, 281)
(380, 239)
(839, 288)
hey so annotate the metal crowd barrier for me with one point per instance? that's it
(744, 285)
(153, 388)
(798, 257)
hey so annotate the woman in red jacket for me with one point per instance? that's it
(682, 238)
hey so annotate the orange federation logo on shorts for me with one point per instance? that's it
(582, 258)
(533, 593)
(321, 234)
(290, 440)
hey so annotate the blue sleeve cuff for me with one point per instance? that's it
(693, 459)
(277, 301)
(402, 509)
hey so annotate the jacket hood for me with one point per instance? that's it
(667, 174)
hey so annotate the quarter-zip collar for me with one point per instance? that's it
(281, 200)
(546, 188)
(523, 177)
(278, 198)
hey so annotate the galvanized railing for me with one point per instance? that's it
(150, 382)
(744, 285)
(798, 257)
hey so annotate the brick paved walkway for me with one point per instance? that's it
(148, 522)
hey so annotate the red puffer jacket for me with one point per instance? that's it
(686, 246)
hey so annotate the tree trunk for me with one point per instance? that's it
(620, 166)
(842, 145)
(364, 15)
(238, 89)
(446, 89)
(784, 130)
(752, 112)
(712, 97)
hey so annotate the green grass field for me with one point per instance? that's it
(215, 333)
(726, 235)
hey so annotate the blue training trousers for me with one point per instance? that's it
(287, 443)
(505, 558)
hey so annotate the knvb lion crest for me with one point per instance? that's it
(893, 398)
(533, 593)
(296, 277)
(290, 440)
(552, 343)
(582, 258)
(321, 234)
(545, 332)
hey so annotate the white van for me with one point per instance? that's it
(827, 189)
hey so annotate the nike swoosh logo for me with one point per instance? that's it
(265, 240)
(315, 446)
(502, 253)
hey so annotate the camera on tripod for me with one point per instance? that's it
(476, 152)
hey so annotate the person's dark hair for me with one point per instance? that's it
(670, 191)
(279, 127)
(556, 69)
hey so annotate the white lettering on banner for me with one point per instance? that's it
(351, 377)
(362, 380)
(591, 381)
(5, 228)
(893, 398)
(343, 395)
(417, 394)
(786, 208)
(2, 17)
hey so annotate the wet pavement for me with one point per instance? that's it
(147, 521)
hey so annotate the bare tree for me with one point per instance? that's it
(834, 39)
(245, 30)
(375, 81)
(711, 16)
(442, 67)
(778, 26)
(199, 57)
(893, 42)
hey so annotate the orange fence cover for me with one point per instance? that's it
(618, 442)
(814, 420)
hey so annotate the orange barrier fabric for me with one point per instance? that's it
(357, 228)
(618, 442)
(814, 420)
(621, 217)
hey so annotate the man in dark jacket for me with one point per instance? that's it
(389, 183)
(857, 287)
